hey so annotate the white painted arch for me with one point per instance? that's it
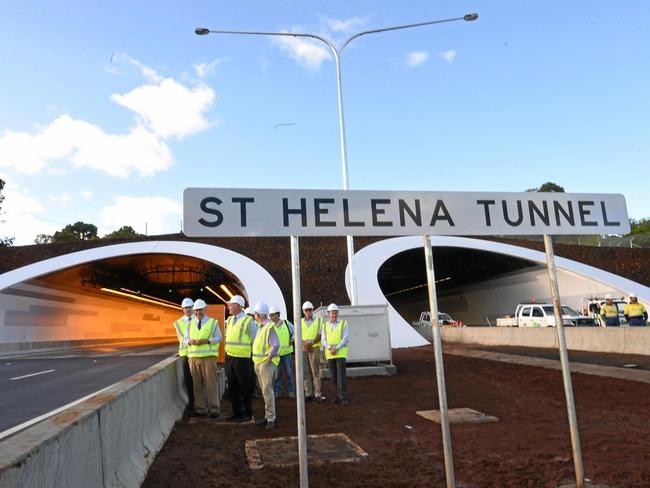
(369, 259)
(259, 284)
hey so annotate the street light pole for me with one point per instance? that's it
(202, 31)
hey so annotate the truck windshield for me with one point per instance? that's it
(565, 311)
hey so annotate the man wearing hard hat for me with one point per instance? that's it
(285, 330)
(240, 333)
(635, 312)
(203, 338)
(266, 347)
(181, 326)
(311, 331)
(335, 338)
(609, 312)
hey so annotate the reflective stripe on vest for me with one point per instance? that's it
(238, 340)
(334, 337)
(181, 329)
(261, 346)
(309, 332)
(284, 338)
(206, 331)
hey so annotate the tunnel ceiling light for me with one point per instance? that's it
(228, 292)
(216, 294)
(140, 294)
(415, 287)
(142, 299)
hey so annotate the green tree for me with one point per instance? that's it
(43, 239)
(4, 241)
(550, 187)
(641, 226)
(79, 231)
(124, 232)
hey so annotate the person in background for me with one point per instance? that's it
(285, 330)
(240, 333)
(609, 312)
(635, 312)
(265, 358)
(181, 326)
(203, 339)
(335, 337)
(311, 331)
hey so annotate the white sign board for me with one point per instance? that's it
(213, 212)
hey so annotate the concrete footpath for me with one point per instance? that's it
(474, 351)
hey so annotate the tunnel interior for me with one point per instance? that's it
(403, 280)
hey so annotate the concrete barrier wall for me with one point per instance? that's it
(110, 440)
(623, 340)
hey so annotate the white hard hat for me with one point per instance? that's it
(238, 299)
(307, 305)
(608, 296)
(199, 304)
(273, 309)
(633, 295)
(332, 307)
(187, 302)
(261, 308)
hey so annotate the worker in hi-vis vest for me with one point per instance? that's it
(635, 312)
(266, 347)
(335, 337)
(240, 333)
(609, 312)
(203, 338)
(285, 330)
(311, 331)
(181, 326)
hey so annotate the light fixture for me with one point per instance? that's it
(216, 294)
(142, 299)
(228, 292)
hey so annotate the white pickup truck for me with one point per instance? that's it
(542, 315)
(443, 319)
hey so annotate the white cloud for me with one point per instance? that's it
(306, 53)
(87, 194)
(448, 55)
(21, 215)
(168, 108)
(86, 146)
(338, 25)
(204, 69)
(416, 58)
(62, 200)
(159, 215)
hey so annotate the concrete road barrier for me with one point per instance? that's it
(622, 340)
(110, 440)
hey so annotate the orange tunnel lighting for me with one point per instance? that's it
(225, 288)
(140, 294)
(142, 299)
(216, 294)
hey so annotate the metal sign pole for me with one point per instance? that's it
(564, 360)
(300, 392)
(440, 371)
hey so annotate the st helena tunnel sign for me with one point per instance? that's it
(213, 212)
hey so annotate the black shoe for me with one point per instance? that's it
(214, 415)
(261, 422)
(244, 418)
(319, 399)
(270, 425)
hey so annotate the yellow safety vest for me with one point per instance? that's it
(181, 329)
(333, 338)
(609, 310)
(238, 340)
(261, 346)
(309, 332)
(206, 331)
(634, 309)
(284, 338)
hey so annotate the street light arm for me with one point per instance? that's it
(468, 17)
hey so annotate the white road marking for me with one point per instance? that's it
(36, 420)
(33, 374)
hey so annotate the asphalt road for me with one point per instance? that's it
(32, 385)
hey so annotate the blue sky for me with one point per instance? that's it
(108, 110)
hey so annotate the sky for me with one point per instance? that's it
(109, 110)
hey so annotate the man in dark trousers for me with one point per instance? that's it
(240, 334)
(181, 326)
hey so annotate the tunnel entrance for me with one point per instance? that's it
(460, 274)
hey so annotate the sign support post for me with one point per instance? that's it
(564, 360)
(300, 391)
(440, 369)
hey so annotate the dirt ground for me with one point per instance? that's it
(529, 447)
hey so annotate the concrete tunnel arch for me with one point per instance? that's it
(369, 259)
(257, 281)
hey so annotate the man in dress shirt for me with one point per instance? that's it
(265, 357)
(181, 326)
(335, 338)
